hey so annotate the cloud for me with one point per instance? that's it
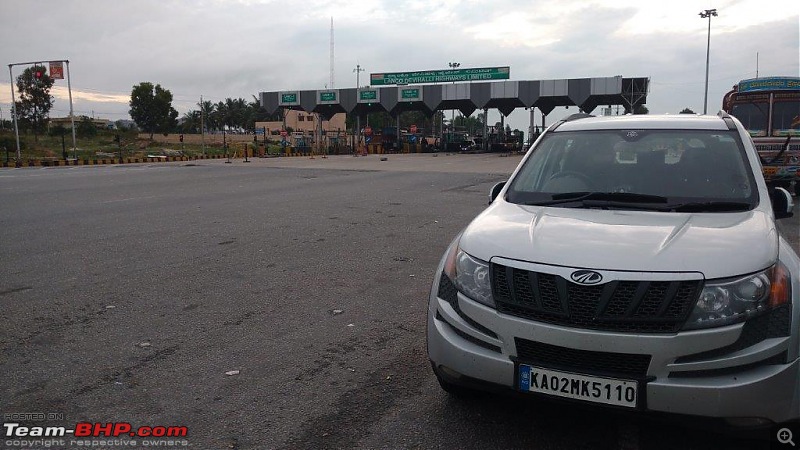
(237, 48)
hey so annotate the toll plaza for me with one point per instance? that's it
(463, 90)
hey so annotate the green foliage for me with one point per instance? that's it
(686, 111)
(35, 101)
(86, 128)
(10, 143)
(190, 122)
(121, 126)
(231, 114)
(58, 130)
(151, 108)
(472, 125)
(641, 109)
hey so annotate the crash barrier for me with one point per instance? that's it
(96, 162)
(372, 149)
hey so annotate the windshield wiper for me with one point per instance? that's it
(602, 198)
(709, 206)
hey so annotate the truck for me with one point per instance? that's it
(769, 108)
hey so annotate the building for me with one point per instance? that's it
(304, 122)
(66, 122)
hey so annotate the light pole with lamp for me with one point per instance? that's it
(358, 71)
(707, 15)
(453, 65)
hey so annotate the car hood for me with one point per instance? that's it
(716, 244)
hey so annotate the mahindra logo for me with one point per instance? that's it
(586, 277)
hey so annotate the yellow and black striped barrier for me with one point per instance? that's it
(104, 161)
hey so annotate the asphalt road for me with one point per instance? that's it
(128, 292)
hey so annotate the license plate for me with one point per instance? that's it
(609, 391)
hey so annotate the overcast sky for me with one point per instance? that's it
(238, 48)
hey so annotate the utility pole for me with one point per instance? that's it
(71, 115)
(358, 71)
(202, 127)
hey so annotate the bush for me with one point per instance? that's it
(10, 143)
(86, 128)
(58, 130)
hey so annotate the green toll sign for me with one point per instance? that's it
(409, 94)
(441, 76)
(368, 95)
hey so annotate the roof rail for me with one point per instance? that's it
(727, 119)
(577, 116)
(569, 118)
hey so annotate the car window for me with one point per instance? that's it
(676, 164)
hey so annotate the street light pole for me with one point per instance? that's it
(707, 15)
(358, 71)
(453, 65)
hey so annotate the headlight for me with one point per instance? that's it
(722, 302)
(470, 275)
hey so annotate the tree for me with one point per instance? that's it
(207, 110)
(86, 128)
(151, 108)
(259, 114)
(35, 101)
(641, 109)
(190, 122)
(58, 130)
(687, 111)
(472, 125)
(123, 126)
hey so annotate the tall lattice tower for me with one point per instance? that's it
(332, 81)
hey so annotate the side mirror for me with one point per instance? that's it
(495, 191)
(782, 204)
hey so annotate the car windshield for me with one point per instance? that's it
(663, 170)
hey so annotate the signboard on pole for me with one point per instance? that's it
(327, 97)
(369, 96)
(441, 76)
(290, 98)
(409, 95)
(57, 70)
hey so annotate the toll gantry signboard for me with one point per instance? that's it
(441, 76)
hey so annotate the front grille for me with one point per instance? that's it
(622, 306)
(582, 361)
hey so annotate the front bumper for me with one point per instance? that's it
(759, 381)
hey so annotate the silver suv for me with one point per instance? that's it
(632, 262)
